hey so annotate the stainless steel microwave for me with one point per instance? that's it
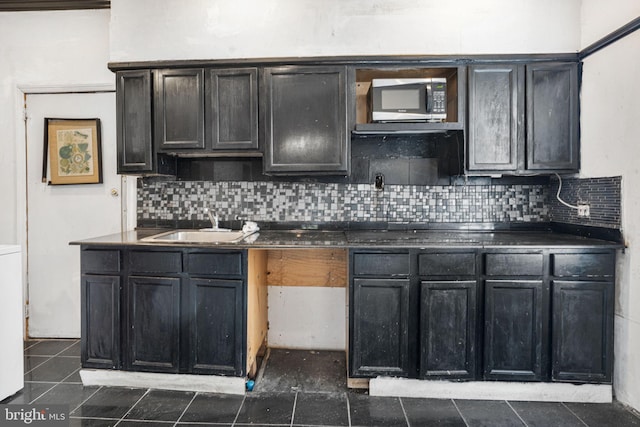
(408, 100)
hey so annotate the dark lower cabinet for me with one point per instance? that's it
(448, 312)
(582, 331)
(154, 324)
(379, 343)
(171, 310)
(515, 326)
(100, 321)
(216, 326)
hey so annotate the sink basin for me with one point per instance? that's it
(196, 236)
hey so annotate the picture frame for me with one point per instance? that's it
(74, 151)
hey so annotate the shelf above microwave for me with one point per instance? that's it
(402, 127)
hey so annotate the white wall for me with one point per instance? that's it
(41, 49)
(609, 125)
(203, 29)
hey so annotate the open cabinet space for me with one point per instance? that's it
(296, 299)
(455, 83)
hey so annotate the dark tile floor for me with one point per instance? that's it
(51, 377)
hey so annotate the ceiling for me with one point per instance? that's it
(39, 5)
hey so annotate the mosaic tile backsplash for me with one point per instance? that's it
(603, 195)
(318, 202)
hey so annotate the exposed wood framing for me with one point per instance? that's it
(308, 267)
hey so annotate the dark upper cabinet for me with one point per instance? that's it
(523, 118)
(552, 117)
(179, 109)
(304, 111)
(134, 122)
(496, 112)
(154, 324)
(515, 324)
(231, 109)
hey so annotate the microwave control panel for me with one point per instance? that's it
(437, 100)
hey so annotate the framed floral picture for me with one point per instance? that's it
(74, 150)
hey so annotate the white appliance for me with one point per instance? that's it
(11, 321)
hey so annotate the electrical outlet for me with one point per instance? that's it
(583, 210)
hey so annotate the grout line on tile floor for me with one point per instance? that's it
(133, 406)
(48, 390)
(293, 411)
(65, 349)
(406, 417)
(460, 413)
(575, 415)
(70, 375)
(39, 364)
(93, 418)
(85, 400)
(31, 345)
(235, 420)
(186, 408)
(348, 409)
(517, 414)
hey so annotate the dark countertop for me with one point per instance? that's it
(281, 239)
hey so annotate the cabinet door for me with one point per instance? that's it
(448, 329)
(231, 118)
(216, 326)
(179, 109)
(133, 103)
(515, 324)
(100, 321)
(380, 328)
(552, 117)
(582, 331)
(154, 326)
(496, 113)
(306, 120)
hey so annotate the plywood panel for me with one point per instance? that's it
(307, 267)
(257, 310)
(308, 317)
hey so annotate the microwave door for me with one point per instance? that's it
(399, 103)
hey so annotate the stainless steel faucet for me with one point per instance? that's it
(213, 217)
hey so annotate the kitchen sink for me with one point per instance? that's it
(198, 236)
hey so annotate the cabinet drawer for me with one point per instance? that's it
(155, 262)
(583, 265)
(514, 264)
(447, 264)
(381, 264)
(100, 261)
(215, 264)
